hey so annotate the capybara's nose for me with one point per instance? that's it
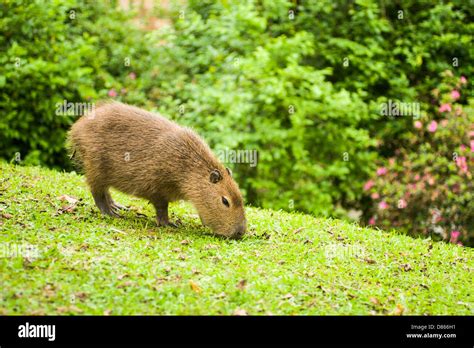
(240, 230)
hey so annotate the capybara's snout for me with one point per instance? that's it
(239, 230)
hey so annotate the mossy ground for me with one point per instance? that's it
(80, 262)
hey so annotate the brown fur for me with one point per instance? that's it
(166, 162)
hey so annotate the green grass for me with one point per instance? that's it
(286, 264)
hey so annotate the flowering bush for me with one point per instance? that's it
(427, 188)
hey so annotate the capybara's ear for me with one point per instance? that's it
(229, 171)
(215, 176)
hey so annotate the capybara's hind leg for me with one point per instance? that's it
(103, 201)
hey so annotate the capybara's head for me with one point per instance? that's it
(221, 206)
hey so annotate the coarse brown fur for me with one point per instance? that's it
(149, 156)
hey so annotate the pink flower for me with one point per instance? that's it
(462, 164)
(375, 195)
(383, 205)
(372, 221)
(368, 185)
(112, 93)
(472, 145)
(454, 236)
(455, 94)
(462, 147)
(433, 126)
(431, 181)
(402, 204)
(444, 123)
(418, 125)
(445, 107)
(417, 177)
(132, 75)
(471, 134)
(381, 171)
(463, 80)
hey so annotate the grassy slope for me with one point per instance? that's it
(287, 264)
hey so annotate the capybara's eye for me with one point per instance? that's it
(225, 201)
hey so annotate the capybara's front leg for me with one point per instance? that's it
(103, 201)
(162, 218)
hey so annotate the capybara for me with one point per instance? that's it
(149, 156)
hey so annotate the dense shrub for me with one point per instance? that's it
(428, 187)
(379, 50)
(55, 51)
(392, 49)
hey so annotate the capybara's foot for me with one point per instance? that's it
(162, 222)
(109, 210)
(117, 206)
(105, 204)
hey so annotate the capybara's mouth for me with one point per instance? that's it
(239, 231)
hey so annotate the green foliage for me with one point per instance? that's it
(56, 51)
(427, 188)
(394, 50)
